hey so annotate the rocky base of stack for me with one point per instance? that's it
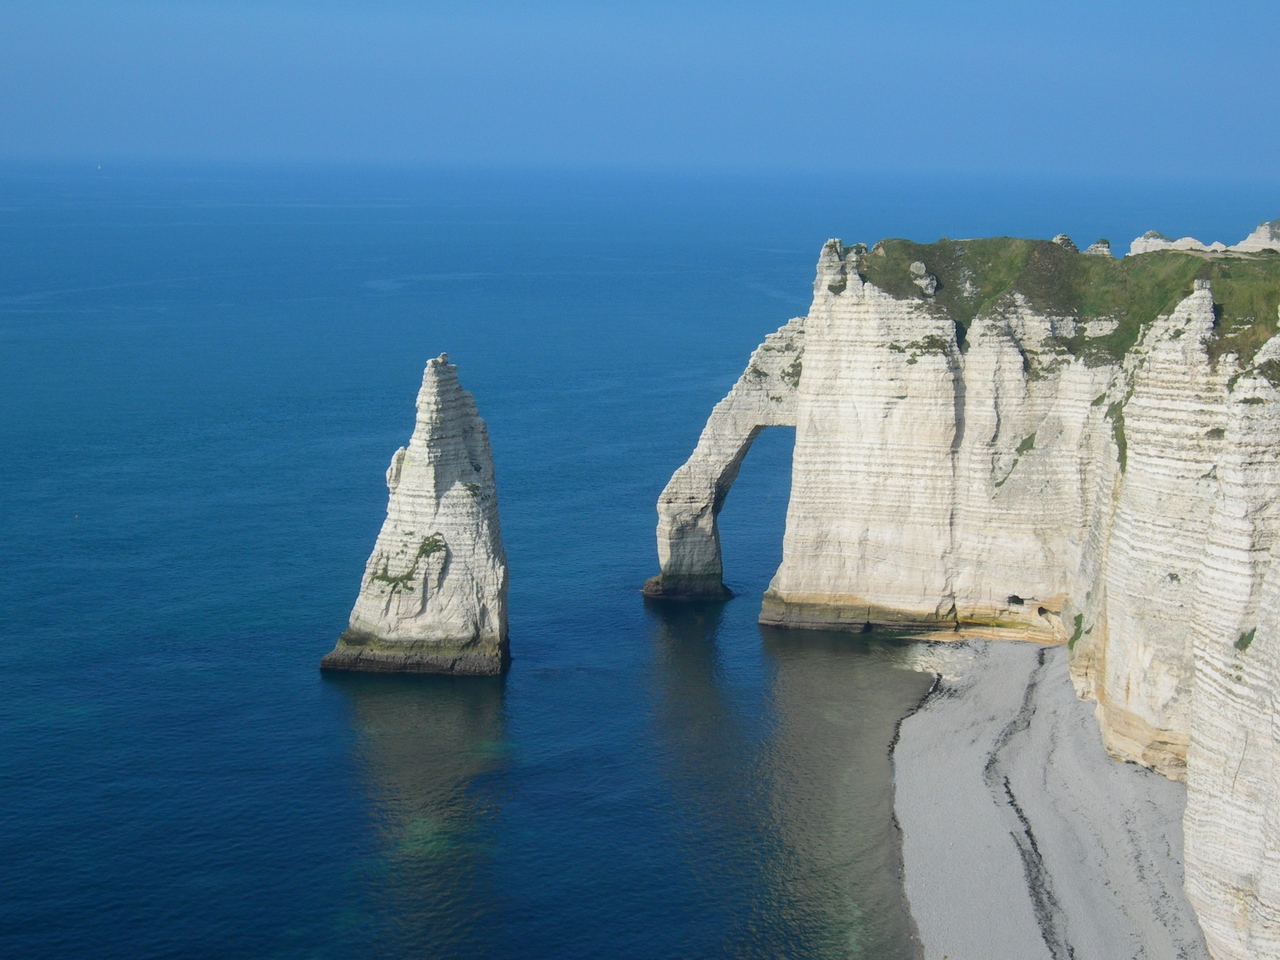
(366, 653)
(685, 588)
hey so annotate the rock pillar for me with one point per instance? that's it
(434, 594)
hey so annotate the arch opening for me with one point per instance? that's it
(688, 534)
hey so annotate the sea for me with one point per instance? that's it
(204, 371)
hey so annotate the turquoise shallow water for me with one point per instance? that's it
(203, 373)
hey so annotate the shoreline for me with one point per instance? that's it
(1021, 838)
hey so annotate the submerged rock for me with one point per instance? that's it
(434, 594)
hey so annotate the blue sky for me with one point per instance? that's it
(1166, 89)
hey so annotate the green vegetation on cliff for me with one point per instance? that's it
(429, 546)
(974, 275)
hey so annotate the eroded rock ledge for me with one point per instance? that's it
(434, 594)
(1011, 438)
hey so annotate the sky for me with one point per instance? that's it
(1167, 89)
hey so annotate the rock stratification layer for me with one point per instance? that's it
(1010, 438)
(434, 594)
(1232, 823)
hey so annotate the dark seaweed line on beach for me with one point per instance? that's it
(1048, 911)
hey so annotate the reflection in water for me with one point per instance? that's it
(426, 744)
(708, 750)
(790, 822)
(768, 832)
(695, 720)
(838, 699)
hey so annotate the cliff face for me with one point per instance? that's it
(1009, 438)
(1232, 823)
(1138, 577)
(434, 594)
(919, 499)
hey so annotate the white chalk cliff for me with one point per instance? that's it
(1266, 236)
(1046, 445)
(434, 594)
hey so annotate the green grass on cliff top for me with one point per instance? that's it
(974, 274)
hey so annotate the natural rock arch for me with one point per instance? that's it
(688, 537)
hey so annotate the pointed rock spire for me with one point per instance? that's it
(434, 594)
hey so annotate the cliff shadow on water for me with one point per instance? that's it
(838, 700)
(791, 798)
(431, 751)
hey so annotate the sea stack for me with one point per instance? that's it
(434, 594)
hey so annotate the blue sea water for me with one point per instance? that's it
(203, 373)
